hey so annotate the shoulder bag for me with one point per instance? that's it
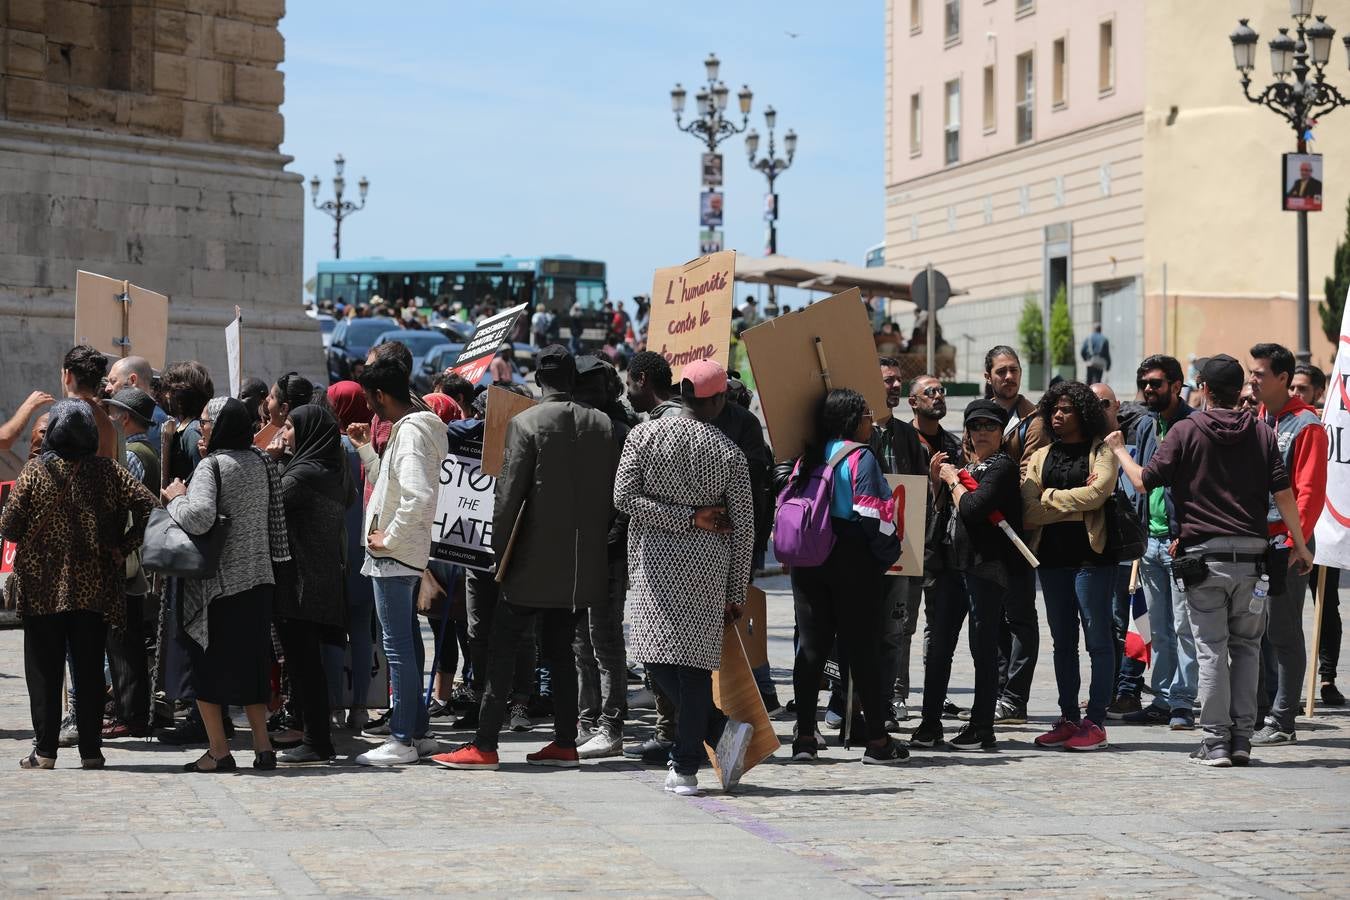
(169, 550)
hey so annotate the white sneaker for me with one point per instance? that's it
(731, 749)
(427, 746)
(601, 744)
(670, 777)
(390, 753)
(684, 785)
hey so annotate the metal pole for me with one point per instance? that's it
(1304, 354)
(931, 277)
(772, 307)
(337, 236)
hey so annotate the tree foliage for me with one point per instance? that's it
(1336, 286)
(1031, 331)
(1061, 330)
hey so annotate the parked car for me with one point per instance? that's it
(442, 358)
(457, 331)
(351, 341)
(327, 324)
(420, 342)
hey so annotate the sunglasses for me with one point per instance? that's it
(1156, 384)
(984, 425)
(936, 390)
(1106, 404)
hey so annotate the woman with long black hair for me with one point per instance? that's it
(841, 599)
(228, 613)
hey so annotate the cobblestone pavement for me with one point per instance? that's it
(1132, 820)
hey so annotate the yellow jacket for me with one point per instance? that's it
(1047, 506)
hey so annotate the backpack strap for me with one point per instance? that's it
(843, 452)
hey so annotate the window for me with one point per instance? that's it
(1023, 7)
(915, 16)
(915, 124)
(990, 101)
(1059, 81)
(1026, 97)
(951, 152)
(952, 19)
(1106, 56)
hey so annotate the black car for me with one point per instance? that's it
(351, 341)
(434, 363)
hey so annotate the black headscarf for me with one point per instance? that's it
(71, 432)
(319, 462)
(232, 428)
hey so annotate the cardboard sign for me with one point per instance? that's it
(502, 407)
(737, 694)
(234, 352)
(99, 318)
(487, 338)
(462, 530)
(753, 627)
(788, 372)
(910, 493)
(691, 311)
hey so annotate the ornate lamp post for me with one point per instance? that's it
(1301, 102)
(711, 126)
(338, 208)
(772, 167)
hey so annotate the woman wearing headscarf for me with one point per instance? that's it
(445, 407)
(227, 614)
(290, 392)
(74, 517)
(316, 488)
(349, 406)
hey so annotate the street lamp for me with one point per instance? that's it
(711, 126)
(772, 167)
(338, 208)
(1300, 102)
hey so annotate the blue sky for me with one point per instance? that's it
(530, 128)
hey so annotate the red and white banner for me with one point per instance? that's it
(1333, 527)
(6, 548)
(487, 339)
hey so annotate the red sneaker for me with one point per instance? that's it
(467, 756)
(553, 755)
(1090, 736)
(1059, 735)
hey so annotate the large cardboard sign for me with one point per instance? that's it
(487, 338)
(462, 530)
(138, 328)
(787, 365)
(736, 694)
(502, 407)
(691, 311)
(910, 493)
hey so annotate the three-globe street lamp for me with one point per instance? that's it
(338, 208)
(1301, 102)
(772, 167)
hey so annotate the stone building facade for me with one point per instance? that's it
(139, 139)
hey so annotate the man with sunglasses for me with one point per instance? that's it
(1176, 669)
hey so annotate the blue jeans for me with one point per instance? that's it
(396, 605)
(1176, 669)
(700, 721)
(1129, 671)
(1083, 594)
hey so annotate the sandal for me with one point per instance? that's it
(224, 763)
(33, 761)
(266, 760)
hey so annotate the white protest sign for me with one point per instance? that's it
(1333, 526)
(910, 494)
(234, 352)
(462, 531)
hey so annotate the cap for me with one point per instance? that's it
(985, 409)
(555, 360)
(706, 376)
(1223, 372)
(137, 402)
(589, 364)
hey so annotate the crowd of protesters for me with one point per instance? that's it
(650, 499)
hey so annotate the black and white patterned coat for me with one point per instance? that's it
(682, 577)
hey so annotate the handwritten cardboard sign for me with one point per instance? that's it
(787, 367)
(502, 407)
(99, 320)
(910, 493)
(691, 311)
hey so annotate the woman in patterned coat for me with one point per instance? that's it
(686, 488)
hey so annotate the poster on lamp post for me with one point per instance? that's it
(691, 311)
(1301, 182)
(710, 209)
(712, 170)
(710, 240)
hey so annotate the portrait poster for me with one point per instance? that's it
(1301, 184)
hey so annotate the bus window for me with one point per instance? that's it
(324, 289)
(558, 294)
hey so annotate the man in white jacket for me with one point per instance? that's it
(397, 525)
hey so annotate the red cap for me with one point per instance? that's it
(707, 377)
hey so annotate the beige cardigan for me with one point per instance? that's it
(1047, 506)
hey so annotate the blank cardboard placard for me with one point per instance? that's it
(910, 493)
(691, 311)
(502, 407)
(98, 318)
(787, 367)
(737, 694)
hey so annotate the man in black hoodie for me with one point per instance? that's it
(1221, 464)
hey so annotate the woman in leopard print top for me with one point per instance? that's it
(68, 514)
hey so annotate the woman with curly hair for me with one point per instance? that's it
(1065, 492)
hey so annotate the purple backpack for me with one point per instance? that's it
(802, 533)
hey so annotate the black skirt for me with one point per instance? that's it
(236, 668)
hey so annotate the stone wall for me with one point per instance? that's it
(139, 139)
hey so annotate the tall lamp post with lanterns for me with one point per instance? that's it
(1301, 102)
(772, 167)
(338, 208)
(710, 128)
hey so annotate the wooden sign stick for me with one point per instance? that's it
(1316, 639)
(824, 367)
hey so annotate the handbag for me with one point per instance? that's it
(1125, 533)
(169, 550)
